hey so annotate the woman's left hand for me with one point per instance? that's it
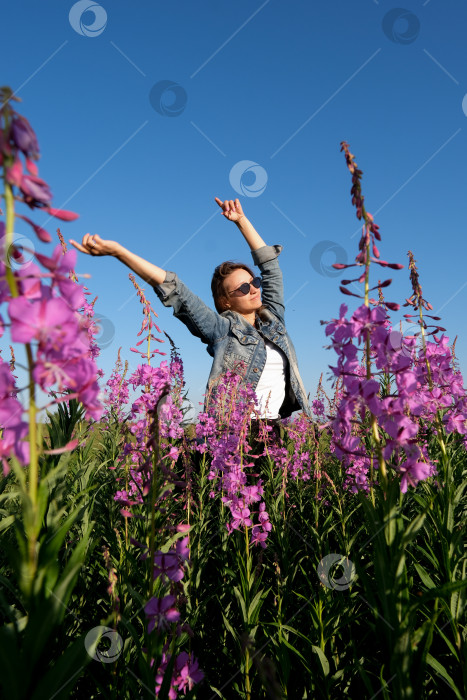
(232, 210)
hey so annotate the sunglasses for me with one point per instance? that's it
(245, 287)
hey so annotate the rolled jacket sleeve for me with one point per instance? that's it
(200, 320)
(167, 287)
(265, 254)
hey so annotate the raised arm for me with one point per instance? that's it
(232, 210)
(95, 245)
(264, 256)
(200, 320)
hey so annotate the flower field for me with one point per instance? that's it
(147, 556)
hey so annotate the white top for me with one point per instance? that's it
(270, 391)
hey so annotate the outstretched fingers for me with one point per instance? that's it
(87, 245)
(78, 246)
(229, 206)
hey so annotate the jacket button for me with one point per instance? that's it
(255, 369)
(274, 339)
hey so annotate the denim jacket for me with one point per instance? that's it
(231, 339)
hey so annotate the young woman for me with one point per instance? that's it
(247, 332)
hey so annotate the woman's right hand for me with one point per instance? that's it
(232, 210)
(95, 245)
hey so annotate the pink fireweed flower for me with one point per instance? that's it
(47, 320)
(81, 377)
(189, 672)
(62, 214)
(45, 316)
(168, 565)
(413, 472)
(23, 137)
(258, 536)
(61, 266)
(28, 279)
(35, 191)
(263, 517)
(117, 394)
(186, 673)
(14, 173)
(182, 547)
(160, 613)
(226, 422)
(361, 395)
(172, 564)
(240, 518)
(7, 381)
(41, 233)
(251, 494)
(170, 418)
(318, 407)
(14, 430)
(172, 454)
(366, 319)
(340, 327)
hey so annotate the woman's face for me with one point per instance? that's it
(242, 303)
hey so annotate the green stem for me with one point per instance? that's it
(33, 451)
(247, 651)
(247, 674)
(438, 422)
(33, 447)
(153, 492)
(149, 344)
(9, 228)
(373, 421)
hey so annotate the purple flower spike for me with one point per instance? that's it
(35, 191)
(160, 613)
(24, 138)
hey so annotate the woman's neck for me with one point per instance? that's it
(251, 317)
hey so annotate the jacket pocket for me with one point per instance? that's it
(237, 363)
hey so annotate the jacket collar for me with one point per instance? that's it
(263, 317)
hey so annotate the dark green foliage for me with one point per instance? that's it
(264, 624)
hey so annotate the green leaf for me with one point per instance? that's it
(60, 679)
(290, 646)
(412, 529)
(440, 592)
(322, 659)
(12, 675)
(231, 630)
(255, 606)
(449, 644)
(441, 671)
(6, 522)
(173, 539)
(242, 603)
(425, 577)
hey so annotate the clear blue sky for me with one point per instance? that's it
(276, 83)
